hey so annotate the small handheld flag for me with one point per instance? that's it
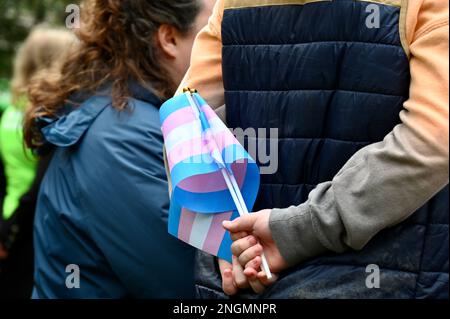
(214, 179)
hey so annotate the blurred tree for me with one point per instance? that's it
(17, 17)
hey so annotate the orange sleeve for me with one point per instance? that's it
(205, 72)
(427, 35)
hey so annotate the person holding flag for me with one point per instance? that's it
(358, 91)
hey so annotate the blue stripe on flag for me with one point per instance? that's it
(176, 103)
(202, 164)
(220, 201)
(214, 202)
(251, 186)
(225, 246)
(234, 153)
(194, 165)
(174, 217)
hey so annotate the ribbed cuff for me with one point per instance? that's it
(293, 233)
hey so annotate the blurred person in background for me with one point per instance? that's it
(42, 52)
(5, 98)
(103, 204)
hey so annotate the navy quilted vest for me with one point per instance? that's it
(331, 86)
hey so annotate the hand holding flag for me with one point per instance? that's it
(214, 179)
(245, 231)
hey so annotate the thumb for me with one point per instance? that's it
(244, 223)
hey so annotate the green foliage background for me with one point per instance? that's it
(17, 18)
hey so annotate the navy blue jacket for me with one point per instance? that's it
(331, 85)
(103, 206)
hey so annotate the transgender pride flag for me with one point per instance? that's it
(213, 177)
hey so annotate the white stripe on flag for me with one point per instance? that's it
(182, 134)
(200, 229)
(190, 131)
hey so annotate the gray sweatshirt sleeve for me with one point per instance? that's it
(384, 183)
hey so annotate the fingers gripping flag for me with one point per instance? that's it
(213, 177)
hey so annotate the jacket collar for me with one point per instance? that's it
(67, 129)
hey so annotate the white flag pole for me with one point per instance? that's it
(242, 209)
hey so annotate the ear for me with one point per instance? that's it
(167, 37)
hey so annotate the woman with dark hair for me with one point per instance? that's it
(100, 229)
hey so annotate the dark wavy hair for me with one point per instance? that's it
(116, 44)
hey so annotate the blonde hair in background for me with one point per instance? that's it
(44, 50)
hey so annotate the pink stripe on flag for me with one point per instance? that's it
(216, 233)
(184, 116)
(213, 182)
(205, 183)
(177, 119)
(198, 146)
(209, 112)
(240, 171)
(186, 221)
